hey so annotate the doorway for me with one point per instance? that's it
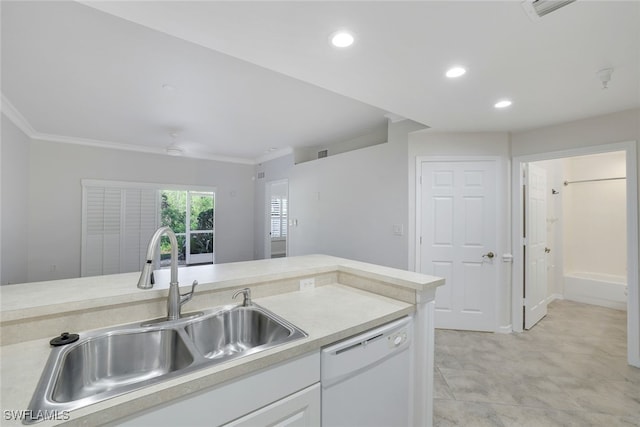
(593, 187)
(276, 225)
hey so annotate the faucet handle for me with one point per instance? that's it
(188, 295)
(246, 292)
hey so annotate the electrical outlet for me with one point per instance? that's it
(306, 284)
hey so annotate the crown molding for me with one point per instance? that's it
(16, 117)
(203, 155)
(140, 148)
(23, 124)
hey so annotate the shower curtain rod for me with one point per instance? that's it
(594, 180)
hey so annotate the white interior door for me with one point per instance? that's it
(535, 270)
(458, 241)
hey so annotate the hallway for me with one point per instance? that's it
(569, 370)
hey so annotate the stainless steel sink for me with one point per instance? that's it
(239, 331)
(110, 362)
(114, 360)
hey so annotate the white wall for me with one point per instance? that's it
(473, 144)
(378, 135)
(347, 205)
(54, 204)
(610, 128)
(595, 215)
(15, 200)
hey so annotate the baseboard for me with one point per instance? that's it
(600, 302)
(504, 329)
(554, 297)
(587, 290)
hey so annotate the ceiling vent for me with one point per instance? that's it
(536, 9)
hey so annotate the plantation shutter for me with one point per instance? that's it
(101, 228)
(278, 217)
(117, 224)
(140, 219)
(283, 218)
(276, 223)
(93, 231)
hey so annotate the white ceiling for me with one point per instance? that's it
(79, 75)
(71, 70)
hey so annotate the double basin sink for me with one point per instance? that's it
(110, 362)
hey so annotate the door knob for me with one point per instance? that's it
(489, 255)
(547, 250)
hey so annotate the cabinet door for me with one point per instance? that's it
(301, 409)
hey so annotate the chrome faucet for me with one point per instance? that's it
(175, 299)
(246, 292)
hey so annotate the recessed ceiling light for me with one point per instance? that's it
(502, 104)
(455, 72)
(342, 39)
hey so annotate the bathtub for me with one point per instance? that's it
(598, 289)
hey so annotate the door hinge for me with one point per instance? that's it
(524, 302)
(420, 239)
(420, 179)
(524, 241)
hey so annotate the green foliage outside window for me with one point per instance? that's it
(174, 214)
(173, 208)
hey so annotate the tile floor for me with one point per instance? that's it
(569, 370)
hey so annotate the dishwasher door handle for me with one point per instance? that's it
(358, 344)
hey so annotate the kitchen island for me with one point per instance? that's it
(339, 298)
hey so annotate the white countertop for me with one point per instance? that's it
(34, 299)
(326, 313)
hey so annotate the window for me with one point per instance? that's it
(119, 218)
(278, 217)
(190, 214)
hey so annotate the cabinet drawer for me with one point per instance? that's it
(301, 409)
(234, 399)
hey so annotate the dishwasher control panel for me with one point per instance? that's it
(397, 339)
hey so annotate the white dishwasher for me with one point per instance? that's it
(366, 379)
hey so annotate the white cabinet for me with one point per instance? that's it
(282, 390)
(301, 409)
